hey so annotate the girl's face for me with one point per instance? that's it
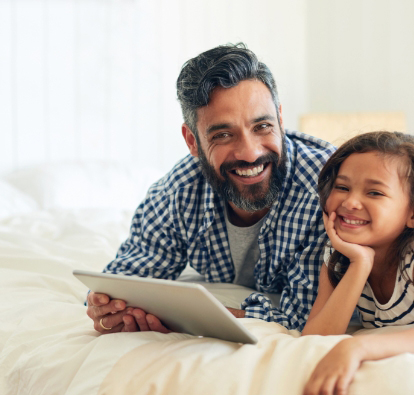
(370, 201)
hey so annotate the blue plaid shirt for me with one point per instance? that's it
(182, 220)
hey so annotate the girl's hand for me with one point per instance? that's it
(335, 372)
(355, 252)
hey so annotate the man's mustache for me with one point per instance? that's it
(240, 164)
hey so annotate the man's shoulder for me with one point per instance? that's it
(308, 145)
(185, 175)
(307, 154)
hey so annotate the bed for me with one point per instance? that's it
(54, 219)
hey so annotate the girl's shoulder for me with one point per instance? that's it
(407, 266)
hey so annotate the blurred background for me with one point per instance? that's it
(95, 79)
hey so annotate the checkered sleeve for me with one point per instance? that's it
(259, 306)
(155, 247)
(299, 293)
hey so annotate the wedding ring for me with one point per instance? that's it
(103, 326)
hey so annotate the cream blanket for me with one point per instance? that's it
(48, 345)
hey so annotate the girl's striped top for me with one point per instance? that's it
(399, 310)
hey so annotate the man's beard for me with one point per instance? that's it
(253, 197)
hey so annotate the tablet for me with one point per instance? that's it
(182, 307)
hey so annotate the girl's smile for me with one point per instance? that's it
(352, 221)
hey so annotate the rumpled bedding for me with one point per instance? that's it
(48, 344)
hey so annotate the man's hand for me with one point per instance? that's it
(236, 312)
(334, 373)
(111, 316)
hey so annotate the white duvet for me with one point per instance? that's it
(48, 345)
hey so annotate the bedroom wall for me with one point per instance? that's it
(95, 79)
(361, 56)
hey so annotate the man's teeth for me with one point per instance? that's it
(354, 221)
(250, 172)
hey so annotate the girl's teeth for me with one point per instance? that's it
(354, 222)
(250, 172)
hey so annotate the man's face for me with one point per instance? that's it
(240, 145)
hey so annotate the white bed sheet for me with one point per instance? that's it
(48, 345)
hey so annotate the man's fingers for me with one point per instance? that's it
(95, 299)
(113, 320)
(156, 325)
(148, 322)
(130, 325)
(116, 329)
(110, 308)
(98, 300)
(112, 317)
(140, 318)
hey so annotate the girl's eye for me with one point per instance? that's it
(341, 187)
(375, 193)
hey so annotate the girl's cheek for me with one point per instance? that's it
(328, 206)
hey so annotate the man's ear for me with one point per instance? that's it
(281, 118)
(190, 139)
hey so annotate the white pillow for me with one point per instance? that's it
(84, 185)
(13, 201)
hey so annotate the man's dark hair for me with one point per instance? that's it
(224, 66)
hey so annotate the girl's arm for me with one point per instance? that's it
(333, 307)
(336, 370)
(385, 345)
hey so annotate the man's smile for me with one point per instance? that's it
(249, 172)
(251, 175)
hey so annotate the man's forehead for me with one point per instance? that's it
(243, 86)
(250, 100)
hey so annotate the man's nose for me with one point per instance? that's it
(248, 148)
(352, 202)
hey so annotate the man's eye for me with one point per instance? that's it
(221, 136)
(263, 127)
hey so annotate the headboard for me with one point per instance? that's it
(336, 128)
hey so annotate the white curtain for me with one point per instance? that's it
(95, 79)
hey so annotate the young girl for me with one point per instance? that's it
(367, 193)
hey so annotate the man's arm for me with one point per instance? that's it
(153, 249)
(238, 313)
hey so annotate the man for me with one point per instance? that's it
(242, 208)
